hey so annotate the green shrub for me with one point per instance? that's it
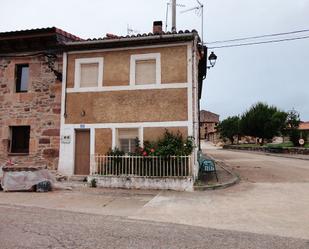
(174, 144)
(115, 152)
(169, 145)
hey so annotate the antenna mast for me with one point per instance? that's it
(171, 2)
(131, 31)
(199, 11)
(174, 15)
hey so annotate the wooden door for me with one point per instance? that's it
(82, 152)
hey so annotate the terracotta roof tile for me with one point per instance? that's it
(41, 30)
(207, 116)
(115, 37)
(304, 126)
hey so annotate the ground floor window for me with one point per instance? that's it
(20, 137)
(127, 139)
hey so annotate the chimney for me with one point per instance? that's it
(157, 27)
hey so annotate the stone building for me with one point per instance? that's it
(63, 99)
(30, 95)
(208, 123)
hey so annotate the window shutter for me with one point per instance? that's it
(127, 133)
(145, 72)
(89, 73)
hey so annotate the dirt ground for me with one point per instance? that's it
(253, 167)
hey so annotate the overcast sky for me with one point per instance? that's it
(275, 73)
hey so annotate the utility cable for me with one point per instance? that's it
(261, 42)
(259, 36)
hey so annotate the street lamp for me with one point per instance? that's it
(212, 60)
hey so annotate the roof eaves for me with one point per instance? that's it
(132, 39)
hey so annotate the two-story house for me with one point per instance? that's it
(70, 99)
(30, 95)
(118, 88)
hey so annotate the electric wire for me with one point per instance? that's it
(259, 36)
(261, 42)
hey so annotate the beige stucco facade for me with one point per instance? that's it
(116, 70)
(153, 133)
(103, 140)
(117, 103)
(158, 105)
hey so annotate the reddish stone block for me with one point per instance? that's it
(44, 141)
(51, 132)
(56, 110)
(51, 153)
(26, 97)
(35, 69)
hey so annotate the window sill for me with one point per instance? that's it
(18, 154)
(128, 87)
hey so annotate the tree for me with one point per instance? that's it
(291, 128)
(293, 119)
(229, 128)
(263, 121)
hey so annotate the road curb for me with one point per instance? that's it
(235, 179)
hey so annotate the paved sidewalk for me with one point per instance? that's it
(118, 202)
(267, 201)
(263, 208)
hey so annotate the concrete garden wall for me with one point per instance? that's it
(179, 184)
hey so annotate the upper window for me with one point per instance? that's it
(88, 72)
(22, 78)
(20, 137)
(145, 69)
(145, 72)
(127, 139)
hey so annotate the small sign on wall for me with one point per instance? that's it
(66, 139)
(82, 126)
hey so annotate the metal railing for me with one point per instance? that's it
(142, 166)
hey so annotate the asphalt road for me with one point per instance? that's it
(261, 168)
(25, 227)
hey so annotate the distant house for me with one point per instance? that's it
(304, 127)
(208, 123)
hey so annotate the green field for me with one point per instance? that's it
(282, 145)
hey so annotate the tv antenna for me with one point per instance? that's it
(199, 11)
(174, 5)
(131, 31)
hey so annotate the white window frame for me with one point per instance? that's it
(116, 142)
(151, 56)
(78, 63)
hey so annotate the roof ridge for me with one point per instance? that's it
(47, 29)
(163, 33)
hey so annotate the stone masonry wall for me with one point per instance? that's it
(39, 108)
